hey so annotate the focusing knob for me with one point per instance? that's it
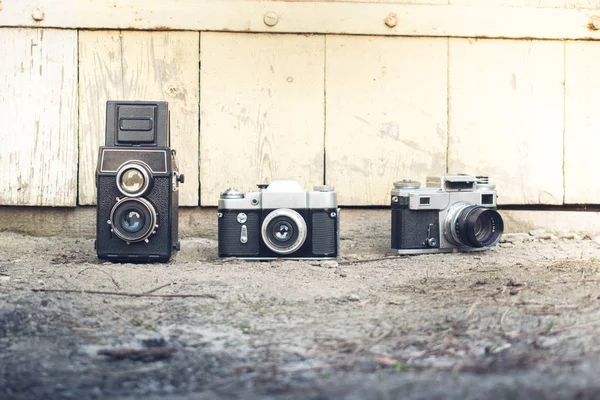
(323, 188)
(407, 184)
(180, 178)
(232, 193)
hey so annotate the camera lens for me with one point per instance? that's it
(133, 219)
(481, 226)
(473, 226)
(284, 231)
(133, 179)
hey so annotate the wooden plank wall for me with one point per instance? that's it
(122, 65)
(262, 110)
(38, 114)
(357, 112)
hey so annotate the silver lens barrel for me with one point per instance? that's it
(141, 210)
(138, 170)
(291, 222)
(472, 225)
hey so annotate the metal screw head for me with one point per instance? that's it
(395, 199)
(220, 215)
(271, 18)
(391, 20)
(242, 218)
(333, 214)
(254, 202)
(38, 15)
(431, 242)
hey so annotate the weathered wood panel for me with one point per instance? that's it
(582, 3)
(139, 66)
(38, 110)
(439, 20)
(262, 102)
(506, 103)
(386, 114)
(582, 123)
(511, 3)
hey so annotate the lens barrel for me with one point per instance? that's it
(284, 231)
(133, 219)
(478, 226)
(133, 179)
(468, 225)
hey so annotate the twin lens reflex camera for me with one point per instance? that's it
(453, 212)
(137, 182)
(279, 221)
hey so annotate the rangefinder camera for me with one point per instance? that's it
(279, 221)
(137, 182)
(452, 213)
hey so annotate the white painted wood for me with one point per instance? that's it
(262, 111)
(139, 66)
(38, 110)
(582, 123)
(506, 109)
(582, 3)
(511, 3)
(386, 114)
(440, 20)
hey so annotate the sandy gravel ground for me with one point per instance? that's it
(520, 321)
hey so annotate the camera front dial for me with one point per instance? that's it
(284, 231)
(133, 219)
(473, 226)
(133, 179)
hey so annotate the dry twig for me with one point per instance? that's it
(104, 272)
(126, 294)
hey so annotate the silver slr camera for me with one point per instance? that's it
(453, 212)
(280, 220)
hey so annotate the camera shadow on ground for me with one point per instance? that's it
(519, 321)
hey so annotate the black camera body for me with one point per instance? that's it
(280, 221)
(137, 182)
(452, 213)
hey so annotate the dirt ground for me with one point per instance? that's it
(517, 322)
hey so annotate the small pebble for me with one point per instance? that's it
(353, 297)
(569, 236)
(541, 234)
(516, 238)
(329, 264)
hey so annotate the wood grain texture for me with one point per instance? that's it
(139, 66)
(386, 114)
(506, 116)
(511, 3)
(582, 3)
(582, 123)
(38, 110)
(262, 115)
(437, 20)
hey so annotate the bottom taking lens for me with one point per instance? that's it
(133, 221)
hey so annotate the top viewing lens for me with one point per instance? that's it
(132, 180)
